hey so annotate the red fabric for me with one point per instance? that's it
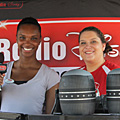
(100, 76)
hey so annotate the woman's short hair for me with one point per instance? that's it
(29, 20)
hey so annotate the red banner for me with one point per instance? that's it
(60, 47)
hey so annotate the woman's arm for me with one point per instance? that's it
(1, 82)
(50, 98)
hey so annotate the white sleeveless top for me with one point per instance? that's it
(27, 98)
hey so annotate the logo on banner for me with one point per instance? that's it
(113, 53)
(11, 4)
(59, 46)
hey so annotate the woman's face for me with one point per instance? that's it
(28, 39)
(91, 47)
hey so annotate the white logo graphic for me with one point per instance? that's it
(97, 89)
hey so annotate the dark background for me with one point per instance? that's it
(62, 9)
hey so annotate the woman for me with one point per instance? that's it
(92, 47)
(33, 81)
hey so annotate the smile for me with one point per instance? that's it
(88, 52)
(27, 49)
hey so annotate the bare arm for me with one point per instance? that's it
(50, 98)
(1, 78)
(1, 82)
